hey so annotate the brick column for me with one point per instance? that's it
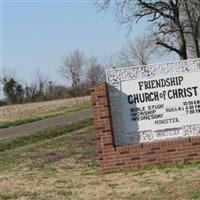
(102, 121)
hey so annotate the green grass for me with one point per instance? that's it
(166, 168)
(48, 146)
(61, 111)
(20, 122)
(13, 143)
(61, 163)
(194, 195)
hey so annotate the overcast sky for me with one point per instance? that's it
(35, 35)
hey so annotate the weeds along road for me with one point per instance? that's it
(28, 129)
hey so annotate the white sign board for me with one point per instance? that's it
(161, 102)
(155, 106)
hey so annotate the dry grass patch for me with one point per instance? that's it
(24, 111)
(66, 167)
(25, 115)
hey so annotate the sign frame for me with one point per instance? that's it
(114, 80)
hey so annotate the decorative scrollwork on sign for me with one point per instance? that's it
(193, 130)
(114, 79)
(146, 136)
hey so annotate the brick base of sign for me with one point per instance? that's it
(116, 158)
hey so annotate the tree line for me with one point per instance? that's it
(81, 71)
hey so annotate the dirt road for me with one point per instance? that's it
(28, 129)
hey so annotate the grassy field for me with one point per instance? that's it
(27, 110)
(61, 163)
(44, 113)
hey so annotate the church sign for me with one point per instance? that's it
(155, 102)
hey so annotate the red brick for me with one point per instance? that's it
(144, 154)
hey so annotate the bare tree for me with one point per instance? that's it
(31, 92)
(72, 68)
(7, 74)
(138, 52)
(166, 16)
(59, 91)
(95, 73)
(41, 82)
(191, 14)
(37, 90)
(112, 61)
